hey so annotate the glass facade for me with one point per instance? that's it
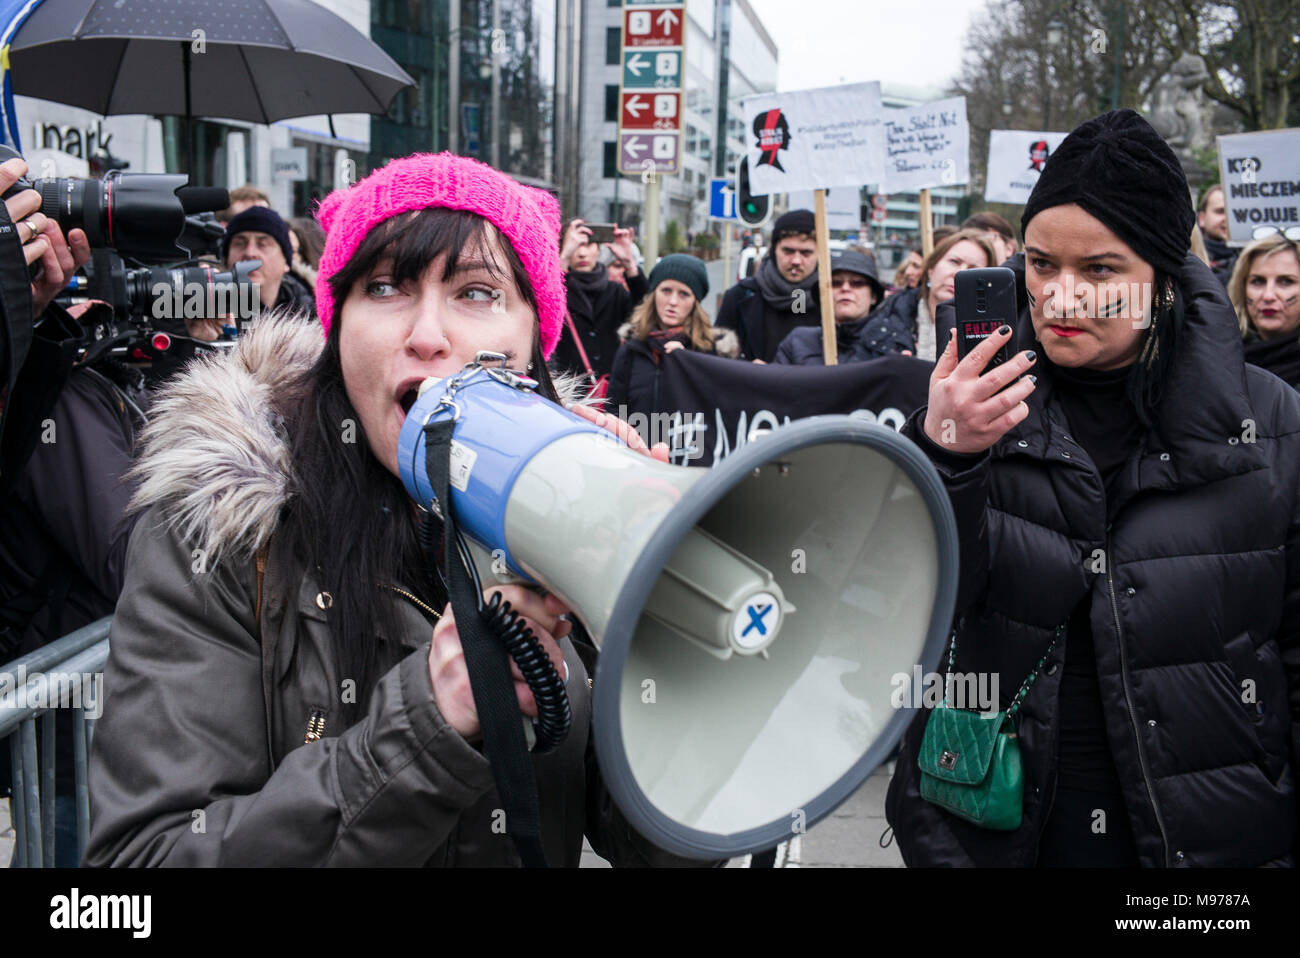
(505, 109)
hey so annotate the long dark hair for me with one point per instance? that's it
(1155, 361)
(350, 520)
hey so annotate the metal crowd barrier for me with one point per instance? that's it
(31, 802)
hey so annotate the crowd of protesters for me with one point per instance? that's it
(1100, 436)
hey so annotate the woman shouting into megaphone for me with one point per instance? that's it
(286, 683)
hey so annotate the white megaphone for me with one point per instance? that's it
(752, 618)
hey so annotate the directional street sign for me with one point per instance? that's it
(651, 111)
(650, 69)
(659, 26)
(639, 152)
(650, 96)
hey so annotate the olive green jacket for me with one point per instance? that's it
(220, 741)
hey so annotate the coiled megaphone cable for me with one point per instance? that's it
(554, 713)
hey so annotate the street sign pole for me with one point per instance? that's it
(830, 351)
(651, 221)
(726, 255)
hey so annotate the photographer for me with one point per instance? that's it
(60, 559)
(67, 437)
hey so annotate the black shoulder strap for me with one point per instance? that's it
(489, 672)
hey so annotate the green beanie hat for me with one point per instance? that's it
(686, 269)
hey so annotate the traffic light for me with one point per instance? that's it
(752, 210)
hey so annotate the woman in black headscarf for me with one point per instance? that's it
(1126, 491)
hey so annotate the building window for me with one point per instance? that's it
(611, 160)
(611, 102)
(613, 45)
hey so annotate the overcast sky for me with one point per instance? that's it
(825, 42)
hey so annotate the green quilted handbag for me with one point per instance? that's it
(970, 764)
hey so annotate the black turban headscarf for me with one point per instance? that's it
(1120, 170)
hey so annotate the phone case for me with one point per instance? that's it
(985, 300)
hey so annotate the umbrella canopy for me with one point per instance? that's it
(255, 60)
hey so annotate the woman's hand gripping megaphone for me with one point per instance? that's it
(542, 614)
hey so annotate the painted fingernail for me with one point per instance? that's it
(1033, 379)
(1030, 355)
(1004, 329)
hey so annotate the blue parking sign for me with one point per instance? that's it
(722, 199)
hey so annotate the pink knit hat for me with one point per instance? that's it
(529, 218)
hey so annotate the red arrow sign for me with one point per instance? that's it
(653, 27)
(648, 110)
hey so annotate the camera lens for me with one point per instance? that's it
(74, 204)
(138, 214)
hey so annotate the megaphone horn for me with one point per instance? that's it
(750, 617)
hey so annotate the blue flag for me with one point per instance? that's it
(12, 15)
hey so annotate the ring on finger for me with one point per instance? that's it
(28, 224)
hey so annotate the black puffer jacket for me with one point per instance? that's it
(871, 337)
(1196, 600)
(634, 382)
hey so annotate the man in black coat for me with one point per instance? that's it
(855, 291)
(781, 295)
(597, 306)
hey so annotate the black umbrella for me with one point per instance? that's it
(255, 60)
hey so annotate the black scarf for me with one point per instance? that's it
(779, 293)
(1281, 357)
(590, 283)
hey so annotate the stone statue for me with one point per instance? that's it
(1176, 105)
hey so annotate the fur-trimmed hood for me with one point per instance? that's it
(216, 452)
(725, 341)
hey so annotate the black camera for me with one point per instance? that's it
(171, 292)
(150, 216)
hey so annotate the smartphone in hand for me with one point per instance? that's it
(601, 232)
(985, 300)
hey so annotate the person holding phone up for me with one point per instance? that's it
(1125, 489)
(597, 306)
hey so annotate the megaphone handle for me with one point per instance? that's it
(488, 666)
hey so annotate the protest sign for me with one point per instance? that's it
(926, 146)
(1016, 159)
(810, 139)
(1260, 173)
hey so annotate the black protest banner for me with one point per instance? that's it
(709, 407)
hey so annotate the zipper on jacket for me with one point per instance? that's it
(1128, 700)
(423, 606)
(1056, 761)
(315, 726)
